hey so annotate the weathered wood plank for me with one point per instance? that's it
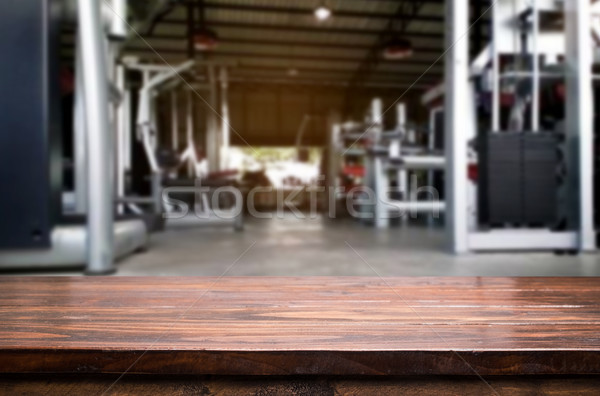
(300, 326)
(296, 386)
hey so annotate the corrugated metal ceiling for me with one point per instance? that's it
(250, 32)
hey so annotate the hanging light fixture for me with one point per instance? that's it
(397, 48)
(322, 12)
(204, 39)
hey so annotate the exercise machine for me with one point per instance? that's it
(44, 225)
(194, 198)
(380, 162)
(398, 153)
(496, 103)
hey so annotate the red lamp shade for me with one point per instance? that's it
(397, 48)
(205, 40)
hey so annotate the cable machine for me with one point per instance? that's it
(53, 227)
(516, 66)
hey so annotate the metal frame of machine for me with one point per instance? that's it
(102, 32)
(395, 156)
(386, 152)
(159, 79)
(459, 101)
(103, 240)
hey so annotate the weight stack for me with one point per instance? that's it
(500, 184)
(540, 185)
(517, 182)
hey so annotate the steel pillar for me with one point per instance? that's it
(579, 121)
(192, 161)
(80, 136)
(212, 128)
(174, 121)
(456, 105)
(122, 123)
(100, 249)
(225, 121)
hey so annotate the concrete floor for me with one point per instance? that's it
(290, 247)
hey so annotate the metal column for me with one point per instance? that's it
(212, 129)
(402, 173)
(118, 27)
(100, 249)
(579, 121)
(334, 130)
(495, 54)
(174, 121)
(80, 135)
(192, 161)
(535, 76)
(225, 125)
(380, 174)
(122, 129)
(456, 106)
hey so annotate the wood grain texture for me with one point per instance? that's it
(296, 386)
(300, 326)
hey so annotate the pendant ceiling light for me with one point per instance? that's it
(397, 48)
(322, 12)
(204, 39)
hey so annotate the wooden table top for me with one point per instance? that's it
(310, 325)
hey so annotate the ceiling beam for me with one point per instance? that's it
(336, 83)
(309, 11)
(338, 80)
(411, 62)
(68, 52)
(262, 55)
(301, 70)
(69, 36)
(315, 58)
(294, 43)
(325, 73)
(278, 69)
(300, 28)
(316, 44)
